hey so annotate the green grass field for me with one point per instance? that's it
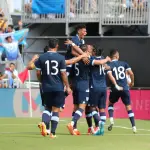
(23, 134)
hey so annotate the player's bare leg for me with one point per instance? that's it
(111, 115)
(131, 117)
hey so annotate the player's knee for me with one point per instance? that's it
(55, 109)
(75, 108)
(128, 107)
(102, 110)
(93, 109)
(110, 104)
(83, 106)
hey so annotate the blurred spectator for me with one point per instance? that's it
(10, 74)
(10, 29)
(11, 48)
(3, 24)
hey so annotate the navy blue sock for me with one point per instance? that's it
(95, 116)
(131, 117)
(77, 115)
(111, 111)
(103, 117)
(89, 119)
(46, 118)
(75, 124)
(54, 122)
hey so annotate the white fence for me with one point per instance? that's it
(107, 12)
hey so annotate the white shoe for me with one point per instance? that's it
(134, 129)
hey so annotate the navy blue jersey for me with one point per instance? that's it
(81, 76)
(51, 64)
(78, 42)
(97, 75)
(119, 69)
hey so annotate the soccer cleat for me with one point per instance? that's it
(96, 128)
(52, 136)
(70, 128)
(42, 127)
(134, 129)
(101, 130)
(89, 132)
(110, 127)
(76, 132)
(97, 132)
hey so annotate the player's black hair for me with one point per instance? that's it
(11, 26)
(99, 52)
(45, 49)
(11, 64)
(7, 37)
(113, 52)
(81, 26)
(53, 43)
(84, 47)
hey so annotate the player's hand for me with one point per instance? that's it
(86, 55)
(68, 90)
(86, 61)
(68, 42)
(131, 84)
(106, 67)
(35, 57)
(108, 59)
(119, 88)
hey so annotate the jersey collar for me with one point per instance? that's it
(115, 60)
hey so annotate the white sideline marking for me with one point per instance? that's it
(81, 122)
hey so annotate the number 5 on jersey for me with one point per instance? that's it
(54, 67)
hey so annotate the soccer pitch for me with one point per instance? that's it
(23, 134)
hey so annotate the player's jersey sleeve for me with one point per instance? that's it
(92, 59)
(38, 64)
(62, 65)
(127, 67)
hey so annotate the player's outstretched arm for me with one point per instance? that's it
(31, 65)
(76, 59)
(131, 74)
(75, 49)
(101, 62)
(113, 80)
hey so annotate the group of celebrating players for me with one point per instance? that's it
(87, 71)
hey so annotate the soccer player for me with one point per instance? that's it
(54, 78)
(119, 70)
(41, 78)
(98, 90)
(81, 89)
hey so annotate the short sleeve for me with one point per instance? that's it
(62, 65)
(92, 61)
(37, 64)
(127, 67)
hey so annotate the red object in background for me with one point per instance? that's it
(24, 75)
(140, 104)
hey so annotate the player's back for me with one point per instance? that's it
(81, 75)
(119, 69)
(51, 66)
(97, 75)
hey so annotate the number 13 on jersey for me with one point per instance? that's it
(52, 67)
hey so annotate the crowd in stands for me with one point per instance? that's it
(10, 53)
(86, 7)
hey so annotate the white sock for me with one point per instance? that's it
(111, 120)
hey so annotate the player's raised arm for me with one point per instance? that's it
(31, 64)
(101, 62)
(76, 50)
(76, 59)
